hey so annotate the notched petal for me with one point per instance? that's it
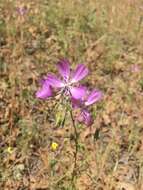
(54, 81)
(95, 96)
(45, 92)
(78, 92)
(80, 72)
(64, 68)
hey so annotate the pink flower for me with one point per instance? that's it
(90, 98)
(22, 10)
(67, 84)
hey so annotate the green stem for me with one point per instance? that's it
(76, 146)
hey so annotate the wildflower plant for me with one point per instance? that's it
(71, 94)
(68, 87)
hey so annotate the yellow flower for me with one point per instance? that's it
(10, 150)
(54, 146)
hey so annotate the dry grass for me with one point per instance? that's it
(107, 37)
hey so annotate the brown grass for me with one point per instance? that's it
(107, 37)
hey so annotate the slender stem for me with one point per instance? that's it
(76, 146)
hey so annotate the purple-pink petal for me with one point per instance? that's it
(78, 92)
(22, 10)
(64, 69)
(93, 97)
(54, 81)
(85, 117)
(80, 72)
(44, 92)
(76, 103)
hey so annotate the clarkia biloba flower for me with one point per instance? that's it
(21, 10)
(87, 100)
(67, 85)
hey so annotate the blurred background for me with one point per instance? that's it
(105, 35)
